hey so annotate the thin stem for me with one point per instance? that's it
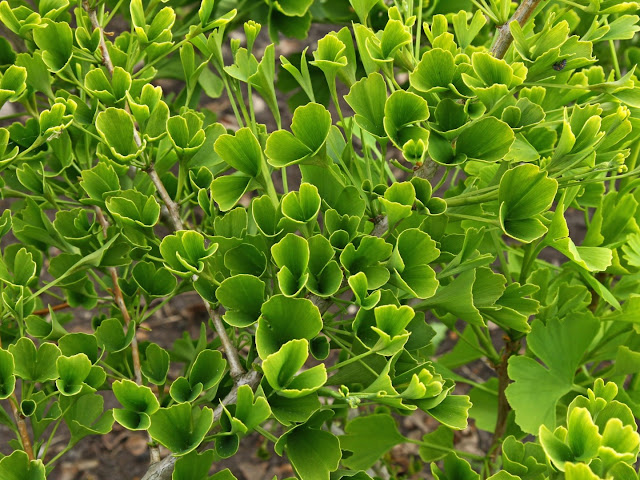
(334, 97)
(472, 198)
(442, 180)
(345, 348)
(491, 221)
(50, 439)
(501, 258)
(350, 360)
(614, 58)
(172, 207)
(531, 253)
(55, 308)
(563, 86)
(113, 12)
(58, 456)
(268, 183)
(232, 100)
(285, 180)
(182, 177)
(435, 446)
(486, 343)
(235, 368)
(119, 299)
(266, 433)
(485, 10)
(418, 31)
(146, 314)
(467, 341)
(574, 4)
(13, 115)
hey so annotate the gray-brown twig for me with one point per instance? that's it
(230, 350)
(510, 349)
(505, 39)
(163, 470)
(22, 427)
(427, 170)
(235, 368)
(380, 226)
(106, 58)
(172, 208)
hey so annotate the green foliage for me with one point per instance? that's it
(453, 187)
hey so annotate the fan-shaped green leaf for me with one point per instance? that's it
(303, 206)
(184, 252)
(309, 130)
(115, 126)
(56, 42)
(153, 282)
(72, 372)
(38, 365)
(7, 378)
(525, 192)
(281, 370)
(17, 466)
(181, 428)
(134, 208)
(291, 255)
(242, 297)
(367, 98)
(241, 151)
(274, 325)
(156, 364)
(536, 390)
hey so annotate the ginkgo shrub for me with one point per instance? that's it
(412, 218)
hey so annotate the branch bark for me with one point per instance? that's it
(380, 227)
(499, 50)
(511, 348)
(172, 208)
(427, 170)
(22, 427)
(505, 39)
(106, 58)
(235, 368)
(163, 470)
(55, 308)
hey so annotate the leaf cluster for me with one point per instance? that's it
(410, 220)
